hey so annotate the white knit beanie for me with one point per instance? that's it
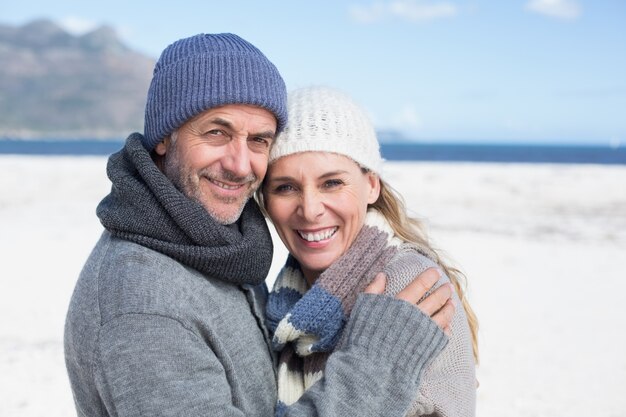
(325, 120)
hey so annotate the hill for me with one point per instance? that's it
(55, 84)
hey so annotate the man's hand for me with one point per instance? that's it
(438, 305)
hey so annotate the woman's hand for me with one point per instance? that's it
(438, 305)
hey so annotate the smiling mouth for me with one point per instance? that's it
(319, 235)
(224, 185)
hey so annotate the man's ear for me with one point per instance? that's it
(161, 147)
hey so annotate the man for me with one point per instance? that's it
(167, 315)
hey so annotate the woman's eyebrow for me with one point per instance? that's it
(324, 175)
(283, 178)
(333, 173)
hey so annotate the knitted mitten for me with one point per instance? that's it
(324, 309)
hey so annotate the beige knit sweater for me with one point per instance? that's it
(448, 385)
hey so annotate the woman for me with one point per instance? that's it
(342, 225)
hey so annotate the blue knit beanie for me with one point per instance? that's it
(205, 71)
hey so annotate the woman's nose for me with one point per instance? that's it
(311, 206)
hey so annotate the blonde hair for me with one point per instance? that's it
(391, 205)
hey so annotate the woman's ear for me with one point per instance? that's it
(374, 182)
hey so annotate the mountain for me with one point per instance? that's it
(392, 136)
(55, 84)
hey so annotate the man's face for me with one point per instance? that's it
(219, 157)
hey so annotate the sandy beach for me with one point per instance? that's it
(543, 247)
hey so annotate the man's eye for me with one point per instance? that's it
(260, 142)
(215, 132)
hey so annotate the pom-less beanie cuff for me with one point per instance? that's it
(206, 71)
(322, 119)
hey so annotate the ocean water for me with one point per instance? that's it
(535, 153)
(528, 153)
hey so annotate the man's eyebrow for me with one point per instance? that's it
(268, 134)
(222, 122)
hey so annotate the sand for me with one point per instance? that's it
(543, 247)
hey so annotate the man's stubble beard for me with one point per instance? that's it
(188, 182)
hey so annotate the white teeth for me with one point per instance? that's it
(225, 186)
(316, 237)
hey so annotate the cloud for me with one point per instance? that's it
(368, 14)
(410, 10)
(562, 9)
(77, 25)
(407, 119)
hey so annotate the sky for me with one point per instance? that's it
(536, 71)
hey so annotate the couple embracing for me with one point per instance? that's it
(170, 315)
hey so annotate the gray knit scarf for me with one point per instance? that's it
(144, 207)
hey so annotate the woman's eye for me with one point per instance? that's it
(283, 188)
(332, 183)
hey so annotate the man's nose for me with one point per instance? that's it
(237, 160)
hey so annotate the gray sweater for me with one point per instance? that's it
(167, 317)
(148, 336)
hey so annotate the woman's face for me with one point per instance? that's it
(317, 202)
